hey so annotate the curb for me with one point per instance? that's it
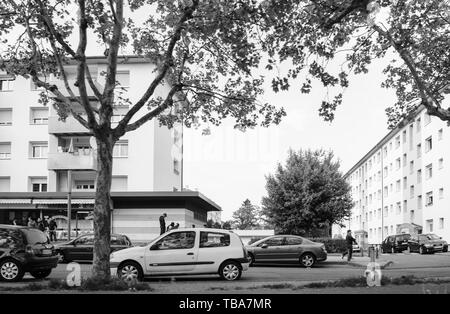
(361, 265)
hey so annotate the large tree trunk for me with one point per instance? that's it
(102, 209)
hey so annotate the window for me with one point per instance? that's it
(390, 167)
(176, 166)
(419, 202)
(418, 125)
(39, 116)
(429, 225)
(85, 240)
(123, 77)
(397, 186)
(275, 241)
(38, 149)
(428, 144)
(397, 142)
(38, 184)
(419, 150)
(213, 239)
(441, 223)
(411, 191)
(6, 83)
(120, 149)
(85, 185)
(427, 118)
(405, 183)
(385, 172)
(419, 176)
(405, 206)
(397, 163)
(5, 150)
(404, 160)
(293, 241)
(411, 167)
(391, 188)
(379, 213)
(384, 151)
(411, 216)
(390, 145)
(404, 136)
(385, 191)
(429, 171)
(5, 183)
(379, 194)
(176, 137)
(411, 131)
(5, 116)
(429, 199)
(385, 211)
(441, 193)
(440, 133)
(441, 163)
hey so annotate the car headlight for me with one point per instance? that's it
(428, 245)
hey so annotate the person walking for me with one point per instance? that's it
(31, 223)
(162, 223)
(171, 226)
(52, 226)
(349, 240)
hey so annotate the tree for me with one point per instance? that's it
(308, 194)
(246, 217)
(204, 52)
(414, 34)
(213, 224)
(227, 225)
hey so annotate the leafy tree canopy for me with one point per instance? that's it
(308, 194)
(247, 216)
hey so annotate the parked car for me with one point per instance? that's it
(395, 243)
(82, 248)
(287, 248)
(427, 243)
(189, 251)
(24, 249)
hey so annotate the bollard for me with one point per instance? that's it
(372, 253)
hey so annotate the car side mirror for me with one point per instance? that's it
(264, 246)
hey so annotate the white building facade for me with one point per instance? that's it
(402, 185)
(37, 148)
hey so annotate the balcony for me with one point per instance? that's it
(82, 160)
(69, 127)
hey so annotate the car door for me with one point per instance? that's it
(270, 249)
(292, 248)
(413, 243)
(82, 248)
(214, 248)
(175, 253)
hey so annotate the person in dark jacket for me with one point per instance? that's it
(40, 224)
(162, 223)
(350, 240)
(52, 226)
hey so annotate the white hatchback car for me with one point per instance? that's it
(184, 252)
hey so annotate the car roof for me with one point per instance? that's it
(202, 229)
(15, 227)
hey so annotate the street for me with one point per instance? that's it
(273, 277)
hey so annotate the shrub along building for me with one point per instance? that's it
(47, 158)
(401, 185)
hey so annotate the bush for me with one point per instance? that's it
(332, 245)
(113, 284)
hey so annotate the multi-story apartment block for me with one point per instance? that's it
(39, 151)
(401, 184)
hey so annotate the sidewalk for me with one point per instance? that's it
(357, 261)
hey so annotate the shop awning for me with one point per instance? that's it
(15, 201)
(63, 201)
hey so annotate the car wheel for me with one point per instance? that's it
(307, 260)
(445, 249)
(252, 259)
(421, 250)
(11, 270)
(40, 274)
(130, 271)
(61, 257)
(230, 271)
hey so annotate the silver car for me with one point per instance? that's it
(287, 248)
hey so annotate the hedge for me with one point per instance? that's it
(332, 245)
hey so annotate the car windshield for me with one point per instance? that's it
(432, 237)
(35, 236)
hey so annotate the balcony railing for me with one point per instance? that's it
(81, 160)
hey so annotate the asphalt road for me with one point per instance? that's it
(436, 265)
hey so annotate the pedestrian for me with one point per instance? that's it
(162, 223)
(177, 225)
(171, 226)
(40, 224)
(15, 222)
(52, 226)
(349, 240)
(31, 223)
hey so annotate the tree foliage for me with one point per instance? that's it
(414, 34)
(308, 194)
(247, 216)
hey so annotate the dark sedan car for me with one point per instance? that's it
(287, 248)
(395, 243)
(427, 243)
(81, 248)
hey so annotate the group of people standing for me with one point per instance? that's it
(162, 224)
(46, 225)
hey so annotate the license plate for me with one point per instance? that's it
(46, 252)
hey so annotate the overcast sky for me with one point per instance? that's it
(229, 166)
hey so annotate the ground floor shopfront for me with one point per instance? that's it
(135, 214)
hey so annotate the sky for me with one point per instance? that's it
(229, 166)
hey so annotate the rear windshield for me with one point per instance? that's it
(35, 236)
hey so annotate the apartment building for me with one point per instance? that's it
(401, 185)
(39, 152)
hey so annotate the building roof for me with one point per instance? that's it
(189, 199)
(385, 139)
